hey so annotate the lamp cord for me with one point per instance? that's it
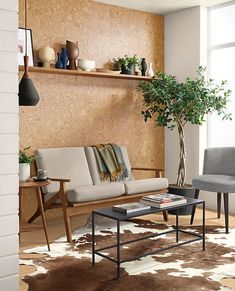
(25, 24)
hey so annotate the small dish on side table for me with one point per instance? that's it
(40, 179)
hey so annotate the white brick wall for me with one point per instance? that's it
(9, 240)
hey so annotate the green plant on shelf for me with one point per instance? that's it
(125, 62)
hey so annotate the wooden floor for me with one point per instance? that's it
(56, 230)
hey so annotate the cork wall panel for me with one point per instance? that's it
(78, 111)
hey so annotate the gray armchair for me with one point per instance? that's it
(218, 176)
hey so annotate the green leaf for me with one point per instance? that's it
(26, 158)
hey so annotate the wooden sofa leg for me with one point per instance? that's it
(165, 215)
(67, 222)
(226, 212)
(196, 195)
(218, 204)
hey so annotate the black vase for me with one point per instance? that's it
(143, 67)
(130, 70)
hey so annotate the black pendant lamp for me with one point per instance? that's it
(28, 95)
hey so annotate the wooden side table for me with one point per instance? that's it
(37, 186)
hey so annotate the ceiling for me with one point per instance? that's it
(162, 7)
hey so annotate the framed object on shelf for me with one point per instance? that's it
(21, 46)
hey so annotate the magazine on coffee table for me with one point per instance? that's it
(164, 197)
(163, 200)
(131, 207)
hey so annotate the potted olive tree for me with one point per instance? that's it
(127, 64)
(25, 160)
(174, 104)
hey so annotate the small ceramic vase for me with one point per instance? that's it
(46, 55)
(73, 53)
(150, 71)
(143, 67)
(64, 57)
(59, 63)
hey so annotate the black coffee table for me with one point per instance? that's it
(119, 216)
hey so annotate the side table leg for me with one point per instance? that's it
(177, 225)
(93, 238)
(40, 205)
(203, 227)
(20, 207)
(118, 249)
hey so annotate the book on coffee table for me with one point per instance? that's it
(163, 200)
(131, 207)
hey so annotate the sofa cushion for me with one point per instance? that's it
(68, 163)
(215, 183)
(145, 185)
(94, 168)
(96, 192)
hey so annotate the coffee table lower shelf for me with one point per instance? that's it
(121, 217)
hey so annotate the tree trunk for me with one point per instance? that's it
(182, 163)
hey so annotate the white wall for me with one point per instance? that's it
(9, 240)
(184, 52)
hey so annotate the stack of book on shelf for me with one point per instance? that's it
(131, 207)
(163, 200)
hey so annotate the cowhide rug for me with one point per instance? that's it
(68, 266)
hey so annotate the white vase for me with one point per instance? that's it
(24, 172)
(46, 55)
(150, 72)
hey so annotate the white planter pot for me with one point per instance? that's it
(24, 172)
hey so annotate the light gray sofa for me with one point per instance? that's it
(77, 167)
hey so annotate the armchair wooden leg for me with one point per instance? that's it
(165, 215)
(218, 204)
(196, 195)
(226, 212)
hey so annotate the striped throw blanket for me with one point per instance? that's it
(110, 162)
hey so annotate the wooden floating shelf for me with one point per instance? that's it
(84, 74)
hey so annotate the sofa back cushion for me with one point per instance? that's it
(94, 169)
(68, 163)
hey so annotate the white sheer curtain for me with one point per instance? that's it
(222, 67)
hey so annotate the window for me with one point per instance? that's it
(222, 67)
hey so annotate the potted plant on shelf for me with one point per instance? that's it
(25, 161)
(174, 104)
(127, 65)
